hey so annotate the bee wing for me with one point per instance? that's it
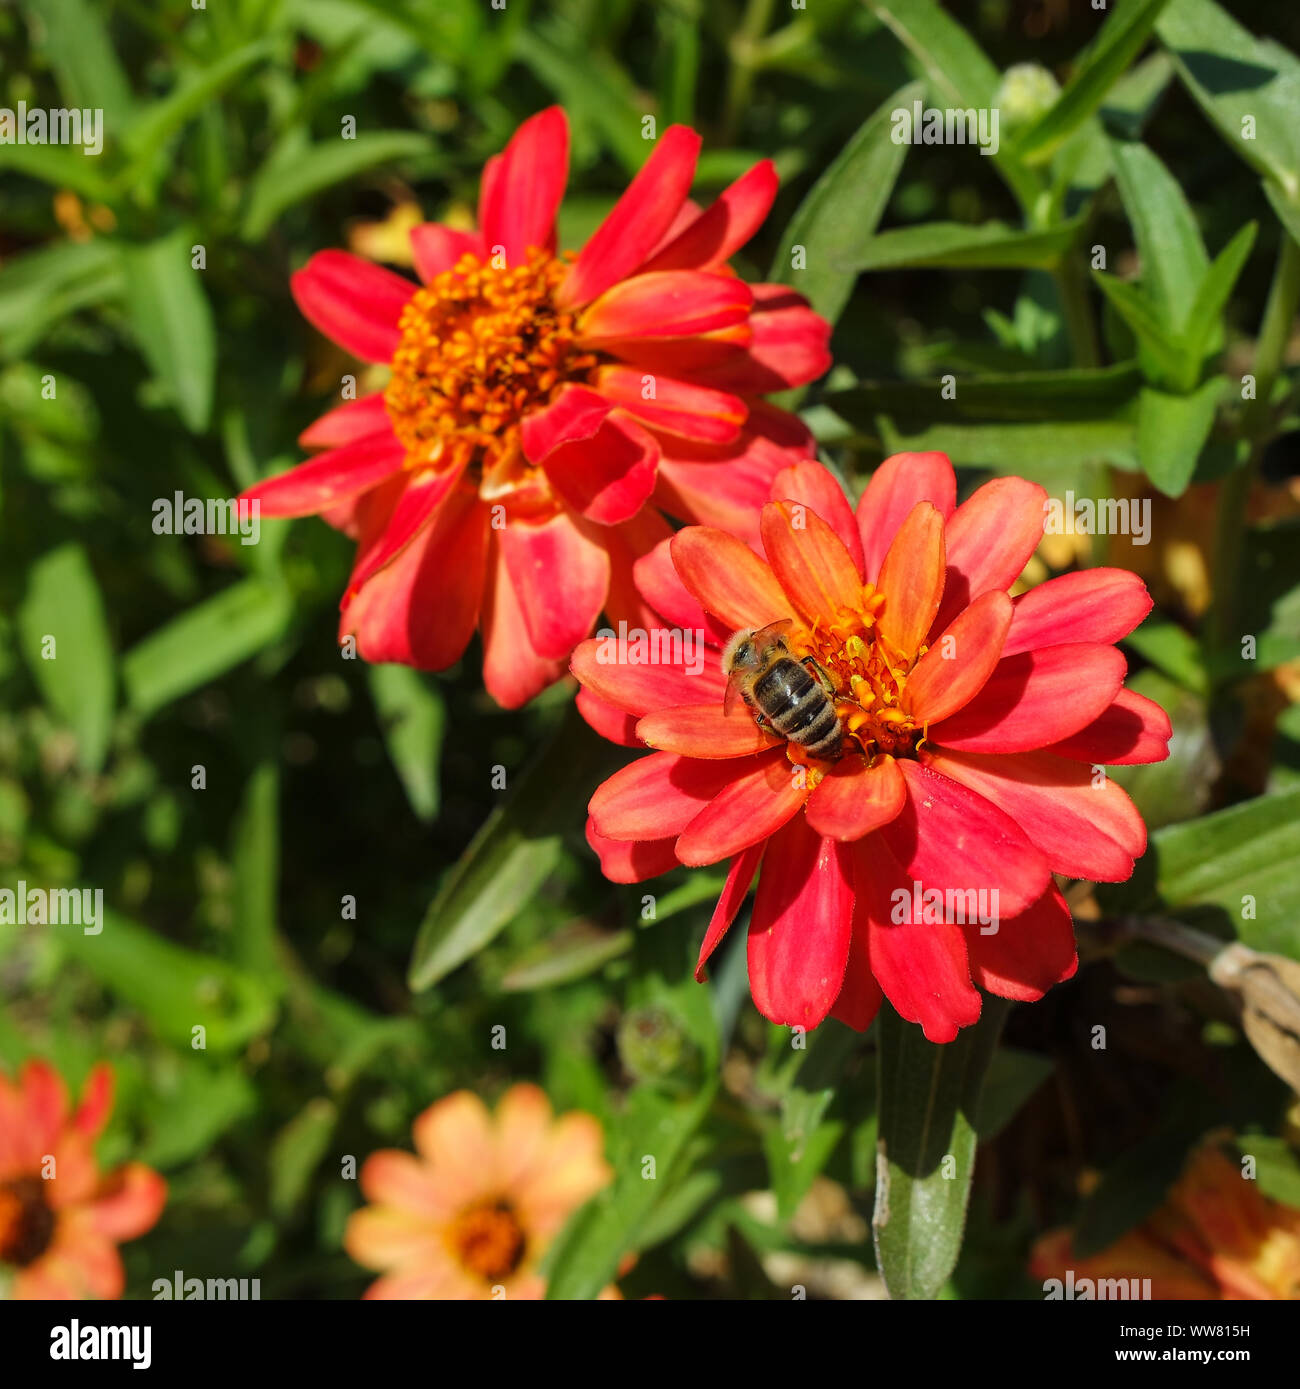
(772, 631)
(734, 693)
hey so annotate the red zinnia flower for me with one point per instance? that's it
(971, 724)
(541, 408)
(60, 1221)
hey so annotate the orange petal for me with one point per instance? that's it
(810, 561)
(377, 1237)
(746, 810)
(455, 1135)
(911, 578)
(402, 1182)
(852, 800)
(131, 1200)
(704, 730)
(957, 667)
(727, 578)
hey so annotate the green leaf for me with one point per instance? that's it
(63, 608)
(960, 72)
(1013, 1076)
(61, 167)
(1180, 786)
(296, 1152)
(1101, 64)
(1277, 1169)
(958, 245)
(841, 211)
(511, 855)
(77, 42)
(256, 869)
(39, 289)
(572, 953)
(175, 989)
(1233, 870)
(1204, 319)
(1160, 352)
(190, 1107)
(655, 1126)
(294, 173)
(172, 321)
(1172, 431)
(1287, 209)
(1243, 84)
(161, 119)
(1045, 452)
(1173, 650)
(1077, 393)
(1169, 244)
(928, 1095)
(413, 716)
(204, 643)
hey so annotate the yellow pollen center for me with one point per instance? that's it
(869, 676)
(481, 346)
(487, 1240)
(26, 1221)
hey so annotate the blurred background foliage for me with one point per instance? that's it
(327, 783)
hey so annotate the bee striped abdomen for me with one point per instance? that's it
(798, 708)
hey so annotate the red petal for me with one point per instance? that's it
(952, 672)
(1028, 953)
(676, 407)
(329, 479)
(989, 539)
(625, 608)
(747, 809)
(728, 494)
(922, 969)
(948, 837)
(1092, 605)
(668, 304)
(911, 578)
(423, 494)
(606, 666)
(609, 477)
(656, 797)
(800, 929)
(560, 577)
(716, 235)
(608, 719)
(632, 862)
(734, 891)
(896, 486)
(352, 301)
(355, 419)
(436, 248)
(1036, 698)
(810, 563)
(814, 486)
(703, 730)
(96, 1101)
(788, 346)
(422, 609)
(637, 222)
(852, 799)
(1131, 729)
(658, 581)
(512, 671)
(1085, 828)
(575, 413)
(519, 204)
(860, 997)
(728, 578)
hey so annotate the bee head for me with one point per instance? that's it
(750, 650)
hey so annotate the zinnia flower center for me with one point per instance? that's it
(488, 1240)
(26, 1222)
(869, 676)
(481, 347)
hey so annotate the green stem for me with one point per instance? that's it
(745, 50)
(1230, 527)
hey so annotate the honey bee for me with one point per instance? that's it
(795, 697)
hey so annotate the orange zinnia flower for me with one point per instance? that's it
(473, 1213)
(541, 408)
(962, 775)
(1216, 1236)
(60, 1221)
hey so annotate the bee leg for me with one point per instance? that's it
(818, 673)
